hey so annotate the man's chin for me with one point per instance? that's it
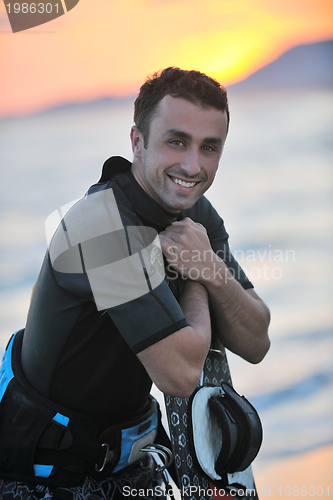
(181, 203)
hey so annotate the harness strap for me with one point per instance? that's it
(58, 438)
(39, 438)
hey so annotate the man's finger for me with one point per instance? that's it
(179, 225)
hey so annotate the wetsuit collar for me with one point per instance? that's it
(149, 211)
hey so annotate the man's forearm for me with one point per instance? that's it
(175, 363)
(242, 317)
(194, 304)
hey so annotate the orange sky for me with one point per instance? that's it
(107, 47)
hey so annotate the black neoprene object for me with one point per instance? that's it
(225, 431)
(241, 430)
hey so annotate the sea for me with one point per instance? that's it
(274, 191)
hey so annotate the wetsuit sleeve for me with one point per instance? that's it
(121, 271)
(204, 213)
(146, 310)
(149, 318)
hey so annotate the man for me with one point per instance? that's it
(103, 323)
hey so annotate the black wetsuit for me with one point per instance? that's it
(83, 357)
(79, 356)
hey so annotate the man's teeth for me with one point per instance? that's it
(183, 183)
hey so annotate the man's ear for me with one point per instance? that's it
(137, 142)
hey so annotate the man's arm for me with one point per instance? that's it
(242, 317)
(176, 362)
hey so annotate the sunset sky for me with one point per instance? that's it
(107, 47)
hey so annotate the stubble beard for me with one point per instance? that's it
(161, 191)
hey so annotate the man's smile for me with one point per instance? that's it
(181, 182)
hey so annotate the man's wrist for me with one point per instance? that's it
(215, 275)
(194, 285)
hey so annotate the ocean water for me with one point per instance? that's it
(274, 192)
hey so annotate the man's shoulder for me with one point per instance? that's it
(111, 195)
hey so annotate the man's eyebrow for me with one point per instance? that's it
(179, 133)
(213, 140)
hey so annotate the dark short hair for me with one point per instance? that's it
(193, 86)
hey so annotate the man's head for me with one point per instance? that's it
(193, 86)
(181, 123)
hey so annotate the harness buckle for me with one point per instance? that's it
(109, 455)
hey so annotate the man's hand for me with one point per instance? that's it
(187, 248)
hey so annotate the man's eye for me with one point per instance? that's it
(177, 142)
(208, 148)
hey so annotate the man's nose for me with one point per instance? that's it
(191, 163)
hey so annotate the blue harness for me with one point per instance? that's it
(44, 443)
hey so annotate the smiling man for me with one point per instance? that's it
(177, 144)
(182, 154)
(106, 319)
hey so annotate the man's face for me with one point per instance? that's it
(183, 152)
